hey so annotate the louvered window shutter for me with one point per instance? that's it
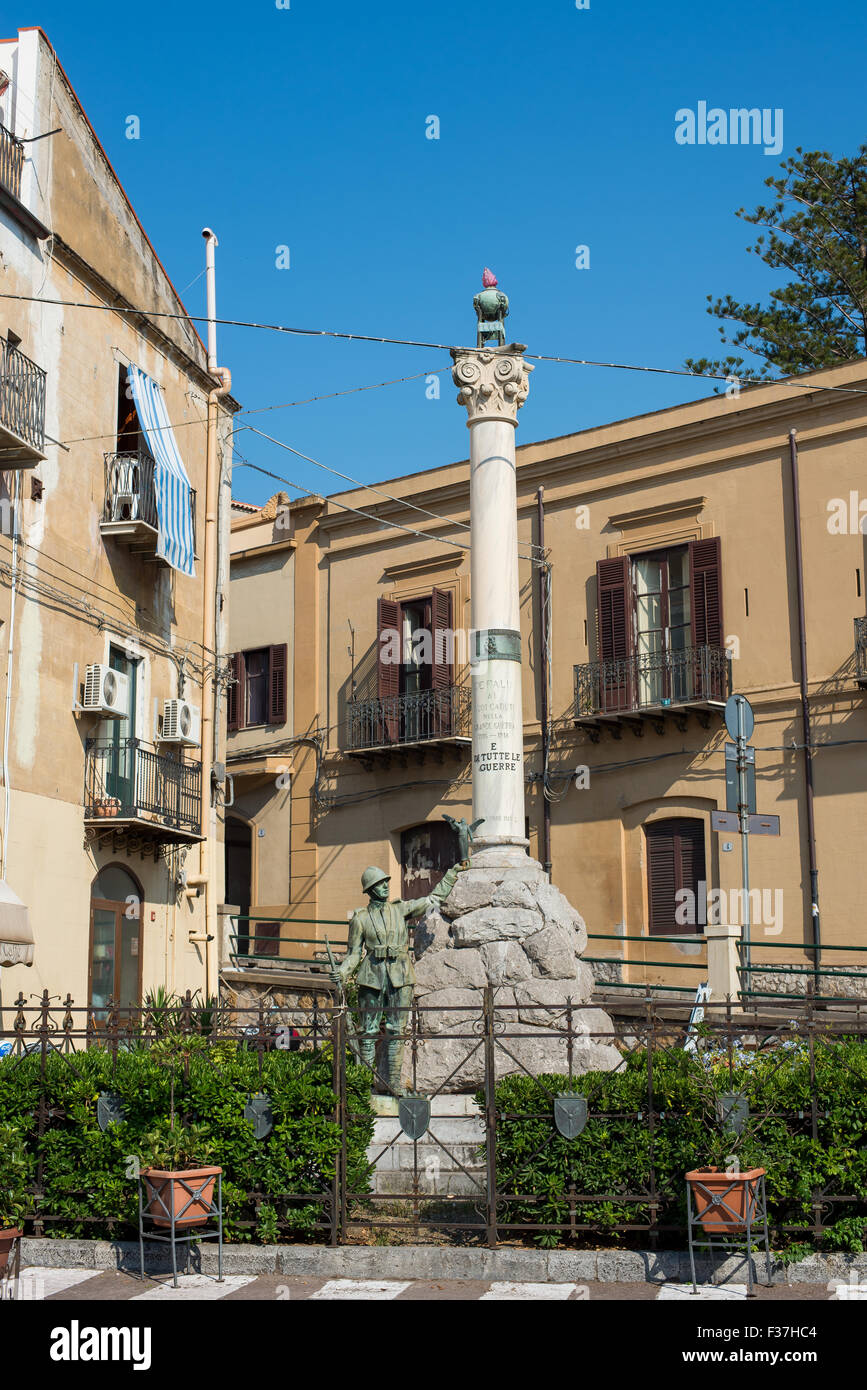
(705, 581)
(388, 670)
(442, 671)
(675, 860)
(277, 671)
(614, 620)
(235, 692)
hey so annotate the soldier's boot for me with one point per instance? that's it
(395, 1067)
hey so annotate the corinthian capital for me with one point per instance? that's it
(492, 383)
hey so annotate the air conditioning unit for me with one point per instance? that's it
(106, 692)
(182, 723)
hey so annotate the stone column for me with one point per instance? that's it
(493, 385)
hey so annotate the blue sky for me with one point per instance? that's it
(306, 127)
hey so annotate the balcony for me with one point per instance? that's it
(861, 651)
(129, 512)
(22, 409)
(649, 688)
(435, 721)
(11, 161)
(143, 796)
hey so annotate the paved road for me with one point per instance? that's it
(71, 1285)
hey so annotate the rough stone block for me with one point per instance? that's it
(503, 962)
(552, 952)
(572, 1266)
(495, 924)
(450, 970)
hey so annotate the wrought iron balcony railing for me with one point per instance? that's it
(396, 720)
(125, 781)
(22, 401)
(652, 680)
(130, 493)
(861, 649)
(11, 161)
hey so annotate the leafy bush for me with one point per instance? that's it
(612, 1156)
(269, 1185)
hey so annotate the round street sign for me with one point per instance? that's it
(732, 704)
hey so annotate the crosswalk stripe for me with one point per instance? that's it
(377, 1289)
(707, 1293)
(509, 1290)
(198, 1286)
(41, 1281)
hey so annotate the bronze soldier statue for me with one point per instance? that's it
(378, 955)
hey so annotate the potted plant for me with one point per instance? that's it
(725, 1200)
(179, 1181)
(14, 1170)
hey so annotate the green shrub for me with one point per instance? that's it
(617, 1150)
(85, 1187)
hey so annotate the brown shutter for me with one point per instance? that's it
(614, 621)
(235, 692)
(388, 672)
(705, 584)
(675, 860)
(277, 662)
(442, 671)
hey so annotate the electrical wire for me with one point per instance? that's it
(441, 347)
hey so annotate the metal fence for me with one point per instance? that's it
(394, 720)
(22, 396)
(130, 490)
(652, 681)
(11, 161)
(124, 780)
(461, 1173)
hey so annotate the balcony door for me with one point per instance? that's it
(118, 735)
(660, 586)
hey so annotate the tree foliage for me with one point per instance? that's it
(815, 228)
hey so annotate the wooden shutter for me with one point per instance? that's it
(277, 663)
(614, 622)
(442, 668)
(675, 860)
(235, 694)
(387, 671)
(705, 584)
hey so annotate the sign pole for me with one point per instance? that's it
(744, 813)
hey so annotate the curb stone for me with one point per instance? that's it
(437, 1262)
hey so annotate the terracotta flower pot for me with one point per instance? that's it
(7, 1244)
(724, 1200)
(188, 1192)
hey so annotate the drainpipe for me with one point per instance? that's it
(205, 880)
(805, 711)
(544, 610)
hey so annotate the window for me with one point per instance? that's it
(415, 688)
(257, 693)
(660, 627)
(675, 861)
(130, 439)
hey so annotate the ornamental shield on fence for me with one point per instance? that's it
(414, 1115)
(570, 1115)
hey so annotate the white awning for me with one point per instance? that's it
(173, 491)
(16, 934)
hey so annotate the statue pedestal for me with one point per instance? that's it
(504, 925)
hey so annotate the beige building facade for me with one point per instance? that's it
(110, 827)
(659, 572)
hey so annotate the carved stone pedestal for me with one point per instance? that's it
(505, 925)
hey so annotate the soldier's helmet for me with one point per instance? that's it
(371, 877)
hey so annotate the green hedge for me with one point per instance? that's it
(84, 1169)
(613, 1154)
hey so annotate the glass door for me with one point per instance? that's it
(662, 626)
(120, 737)
(115, 955)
